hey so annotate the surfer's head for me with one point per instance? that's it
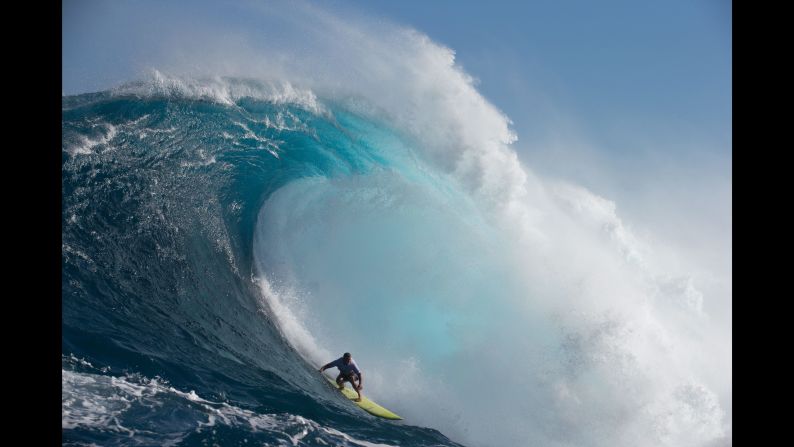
(346, 357)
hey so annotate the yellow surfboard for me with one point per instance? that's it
(366, 404)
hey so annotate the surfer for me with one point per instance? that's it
(348, 371)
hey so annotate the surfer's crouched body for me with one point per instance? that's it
(348, 372)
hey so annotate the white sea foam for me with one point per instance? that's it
(104, 133)
(291, 317)
(222, 90)
(103, 403)
(86, 145)
(269, 145)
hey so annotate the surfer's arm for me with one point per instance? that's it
(329, 365)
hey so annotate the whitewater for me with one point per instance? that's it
(229, 228)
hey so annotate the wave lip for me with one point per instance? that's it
(222, 90)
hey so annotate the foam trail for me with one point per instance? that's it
(290, 318)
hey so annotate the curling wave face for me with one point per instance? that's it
(161, 193)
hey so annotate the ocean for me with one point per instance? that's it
(223, 237)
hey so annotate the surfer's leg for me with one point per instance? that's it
(340, 381)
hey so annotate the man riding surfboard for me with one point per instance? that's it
(348, 372)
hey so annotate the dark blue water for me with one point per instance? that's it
(166, 340)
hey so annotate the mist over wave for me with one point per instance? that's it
(228, 227)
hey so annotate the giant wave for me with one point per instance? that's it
(224, 235)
